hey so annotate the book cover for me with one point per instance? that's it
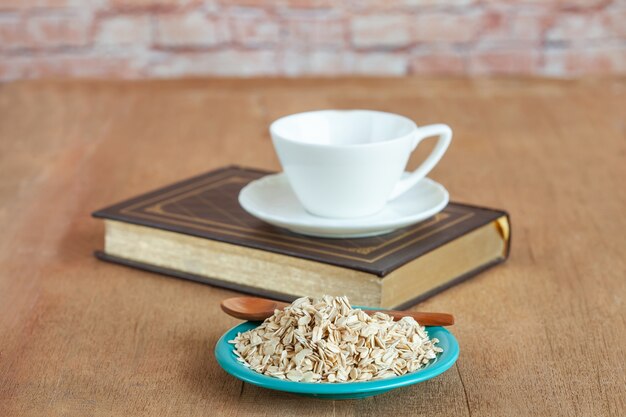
(206, 206)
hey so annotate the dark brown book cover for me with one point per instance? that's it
(207, 206)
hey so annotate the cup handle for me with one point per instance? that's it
(445, 136)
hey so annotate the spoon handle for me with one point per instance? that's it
(424, 319)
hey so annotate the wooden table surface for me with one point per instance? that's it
(543, 334)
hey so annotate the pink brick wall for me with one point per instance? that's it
(174, 38)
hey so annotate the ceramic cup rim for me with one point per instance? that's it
(274, 127)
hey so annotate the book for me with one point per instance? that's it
(195, 229)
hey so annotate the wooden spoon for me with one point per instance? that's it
(258, 309)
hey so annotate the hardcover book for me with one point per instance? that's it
(195, 229)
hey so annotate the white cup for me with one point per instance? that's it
(349, 163)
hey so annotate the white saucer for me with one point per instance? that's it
(272, 200)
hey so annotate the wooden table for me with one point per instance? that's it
(543, 334)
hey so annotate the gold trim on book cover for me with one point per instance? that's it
(152, 209)
(364, 250)
(158, 209)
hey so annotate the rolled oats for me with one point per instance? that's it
(326, 340)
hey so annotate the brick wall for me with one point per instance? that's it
(174, 38)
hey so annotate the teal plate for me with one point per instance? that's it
(345, 390)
